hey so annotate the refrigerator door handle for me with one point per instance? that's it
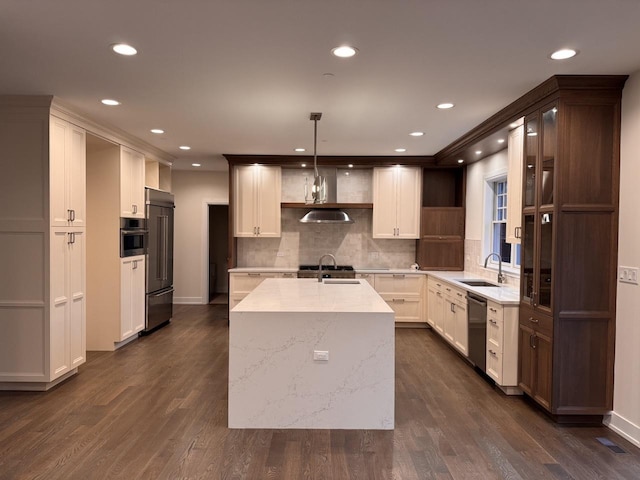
(165, 253)
(163, 293)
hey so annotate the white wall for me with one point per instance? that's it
(193, 192)
(626, 397)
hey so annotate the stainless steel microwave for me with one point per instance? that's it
(133, 237)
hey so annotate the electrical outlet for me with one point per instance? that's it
(321, 355)
(628, 275)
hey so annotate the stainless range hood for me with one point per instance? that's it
(328, 215)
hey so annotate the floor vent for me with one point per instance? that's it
(610, 445)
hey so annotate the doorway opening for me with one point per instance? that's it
(218, 254)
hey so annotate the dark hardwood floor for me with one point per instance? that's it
(157, 409)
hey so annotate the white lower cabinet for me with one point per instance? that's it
(403, 293)
(502, 345)
(241, 284)
(132, 295)
(455, 319)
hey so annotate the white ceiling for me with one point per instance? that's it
(242, 76)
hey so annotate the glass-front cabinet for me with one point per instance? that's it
(538, 210)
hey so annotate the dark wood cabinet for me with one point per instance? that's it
(441, 244)
(569, 247)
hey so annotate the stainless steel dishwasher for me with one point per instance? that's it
(477, 325)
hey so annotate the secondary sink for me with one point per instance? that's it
(478, 283)
(340, 281)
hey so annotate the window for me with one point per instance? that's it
(510, 254)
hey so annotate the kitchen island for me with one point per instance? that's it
(306, 354)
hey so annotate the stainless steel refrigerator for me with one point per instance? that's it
(159, 210)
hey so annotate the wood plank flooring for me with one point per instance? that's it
(157, 409)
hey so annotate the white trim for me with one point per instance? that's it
(204, 252)
(187, 301)
(623, 427)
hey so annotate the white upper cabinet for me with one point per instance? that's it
(514, 184)
(257, 192)
(131, 183)
(396, 202)
(67, 176)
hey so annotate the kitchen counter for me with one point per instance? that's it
(277, 337)
(263, 270)
(504, 294)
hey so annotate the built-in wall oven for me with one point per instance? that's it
(133, 237)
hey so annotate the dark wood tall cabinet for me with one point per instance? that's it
(569, 246)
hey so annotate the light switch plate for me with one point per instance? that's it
(628, 275)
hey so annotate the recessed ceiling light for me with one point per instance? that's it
(350, 165)
(184, 147)
(110, 102)
(460, 160)
(478, 152)
(416, 134)
(344, 51)
(445, 106)
(401, 150)
(195, 164)
(299, 150)
(157, 131)
(501, 140)
(563, 54)
(124, 49)
(303, 165)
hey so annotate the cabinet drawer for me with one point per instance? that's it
(494, 365)
(494, 334)
(369, 277)
(538, 322)
(399, 283)
(246, 282)
(455, 295)
(494, 310)
(288, 275)
(407, 309)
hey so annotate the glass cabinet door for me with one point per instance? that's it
(527, 259)
(530, 161)
(548, 155)
(545, 265)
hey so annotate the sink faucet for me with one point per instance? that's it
(335, 264)
(501, 277)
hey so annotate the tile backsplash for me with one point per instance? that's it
(352, 244)
(473, 256)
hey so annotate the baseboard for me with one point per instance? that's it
(187, 300)
(623, 427)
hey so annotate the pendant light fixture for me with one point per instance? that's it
(319, 187)
(322, 187)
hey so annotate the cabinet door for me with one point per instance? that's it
(269, 199)
(60, 303)
(431, 304)
(245, 202)
(67, 175)
(449, 326)
(131, 183)
(126, 298)
(526, 365)
(461, 329)
(406, 309)
(514, 184)
(384, 202)
(138, 294)
(77, 288)
(409, 195)
(542, 368)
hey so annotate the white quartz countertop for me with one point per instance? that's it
(309, 295)
(263, 270)
(393, 271)
(503, 294)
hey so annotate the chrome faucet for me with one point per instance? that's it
(335, 264)
(501, 277)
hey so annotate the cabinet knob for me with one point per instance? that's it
(398, 275)
(493, 310)
(253, 274)
(493, 321)
(398, 300)
(533, 320)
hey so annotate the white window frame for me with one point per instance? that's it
(488, 221)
